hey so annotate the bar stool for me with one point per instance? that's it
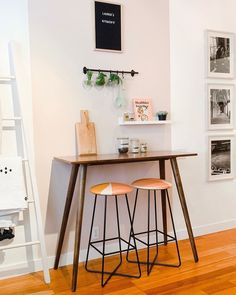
(111, 190)
(153, 184)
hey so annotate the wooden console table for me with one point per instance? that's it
(80, 163)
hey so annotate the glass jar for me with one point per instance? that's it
(143, 147)
(134, 145)
(123, 145)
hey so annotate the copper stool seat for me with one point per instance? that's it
(153, 185)
(111, 190)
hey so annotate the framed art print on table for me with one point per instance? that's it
(221, 164)
(108, 19)
(220, 54)
(220, 99)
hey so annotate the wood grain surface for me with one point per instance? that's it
(215, 273)
(100, 159)
(86, 136)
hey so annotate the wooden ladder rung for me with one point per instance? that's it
(8, 128)
(12, 119)
(19, 245)
(31, 201)
(7, 78)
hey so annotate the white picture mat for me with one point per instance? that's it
(230, 87)
(231, 157)
(231, 36)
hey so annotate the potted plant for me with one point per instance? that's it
(162, 115)
(88, 82)
(114, 80)
(101, 79)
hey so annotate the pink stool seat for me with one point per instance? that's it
(151, 184)
(111, 189)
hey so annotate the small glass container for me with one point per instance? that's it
(143, 147)
(134, 145)
(126, 116)
(123, 145)
(131, 116)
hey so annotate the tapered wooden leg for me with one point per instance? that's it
(70, 192)
(163, 200)
(79, 216)
(180, 190)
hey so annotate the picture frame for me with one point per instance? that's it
(220, 54)
(108, 26)
(221, 155)
(142, 109)
(220, 104)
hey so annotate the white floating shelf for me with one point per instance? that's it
(154, 122)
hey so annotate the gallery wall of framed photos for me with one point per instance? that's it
(220, 104)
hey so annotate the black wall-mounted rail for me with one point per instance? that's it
(132, 72)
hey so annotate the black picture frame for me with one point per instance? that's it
(108, 21)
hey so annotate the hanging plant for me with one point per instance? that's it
(88, 83)
(114, 79)
(101, 79)
(89, 75)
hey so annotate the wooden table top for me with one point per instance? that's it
(123, 158)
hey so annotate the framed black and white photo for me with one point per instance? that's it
(220, 54)
(220, 106)
(221, 157)
(108, 26)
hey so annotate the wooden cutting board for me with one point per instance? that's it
(86, 136)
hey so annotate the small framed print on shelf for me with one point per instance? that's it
(142, 109)
(221, 164)
(220, 106)
(220, 54)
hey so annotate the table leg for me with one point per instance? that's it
(70, 192)
(79, 216)
(163, 200)
(180, 190)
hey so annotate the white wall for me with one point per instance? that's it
(211, 204)
(61, 43)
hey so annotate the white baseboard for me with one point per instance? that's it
(25, 267)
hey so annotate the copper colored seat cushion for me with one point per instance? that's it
(151, 184)
(111, 189)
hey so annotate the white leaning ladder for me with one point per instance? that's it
(23, 151)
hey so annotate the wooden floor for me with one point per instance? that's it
(215, 273)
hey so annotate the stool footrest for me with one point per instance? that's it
(130, 246)
(169, 237)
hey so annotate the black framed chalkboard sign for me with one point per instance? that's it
(108, 21)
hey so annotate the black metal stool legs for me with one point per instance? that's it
(104, 240)
(174, 230)
(148, 236)
(135, 244)
(132, 222)
(171, 238)
(90, 234)
(103, 244)
(118, 228)
(148, 244)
